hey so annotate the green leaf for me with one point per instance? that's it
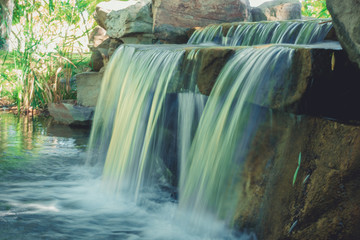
(297, 169)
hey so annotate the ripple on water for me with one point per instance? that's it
(47, 193)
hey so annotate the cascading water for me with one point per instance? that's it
(208, 183)
(248, 34)
(134, 116)
(150, 117)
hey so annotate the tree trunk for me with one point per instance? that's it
(6, 14)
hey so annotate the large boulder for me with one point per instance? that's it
(322, 200)
(277, 10)
(70, 114)
(346, 18)
(124, 18)
(172, 19)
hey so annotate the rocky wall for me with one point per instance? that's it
(322, 200)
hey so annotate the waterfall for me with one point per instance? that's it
(248, 34)
(141, 128)
(208, 181)
(153, 127)
(129, 124)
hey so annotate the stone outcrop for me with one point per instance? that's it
(102, 53)
(124, 18)
(98, 45)
(315, 85)
(320, 202)
(346, 18)
(119, 22)
(97, 36)
(172, 19)
(277, 10)
(211, 61)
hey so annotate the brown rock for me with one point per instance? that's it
(173, 18)
(70, 114)
(315, 84)
(323, 202)
(138, 39)
(97, 36)
(211, 60)
(102, 53)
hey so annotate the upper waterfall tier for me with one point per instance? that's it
(248, 34)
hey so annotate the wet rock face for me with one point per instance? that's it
(173, 18)
(322, 201)
(346, 18)
(277, 10)
(212, 61)
(314, 84)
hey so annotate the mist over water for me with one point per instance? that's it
(46, 192)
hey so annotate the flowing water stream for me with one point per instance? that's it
(162, 160)
(249, 34)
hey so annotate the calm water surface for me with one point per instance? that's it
(47, 192)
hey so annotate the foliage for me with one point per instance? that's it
(315, 8)
(47, 55)
(61, 10)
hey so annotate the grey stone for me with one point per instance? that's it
(346, 19)
(70, 114)
(277, 10)
(88, 88)
(123, 18)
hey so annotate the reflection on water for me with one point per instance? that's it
(46, 192)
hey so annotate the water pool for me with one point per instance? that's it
(47, 192)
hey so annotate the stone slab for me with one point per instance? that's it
(88, 88)
(71, 114)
